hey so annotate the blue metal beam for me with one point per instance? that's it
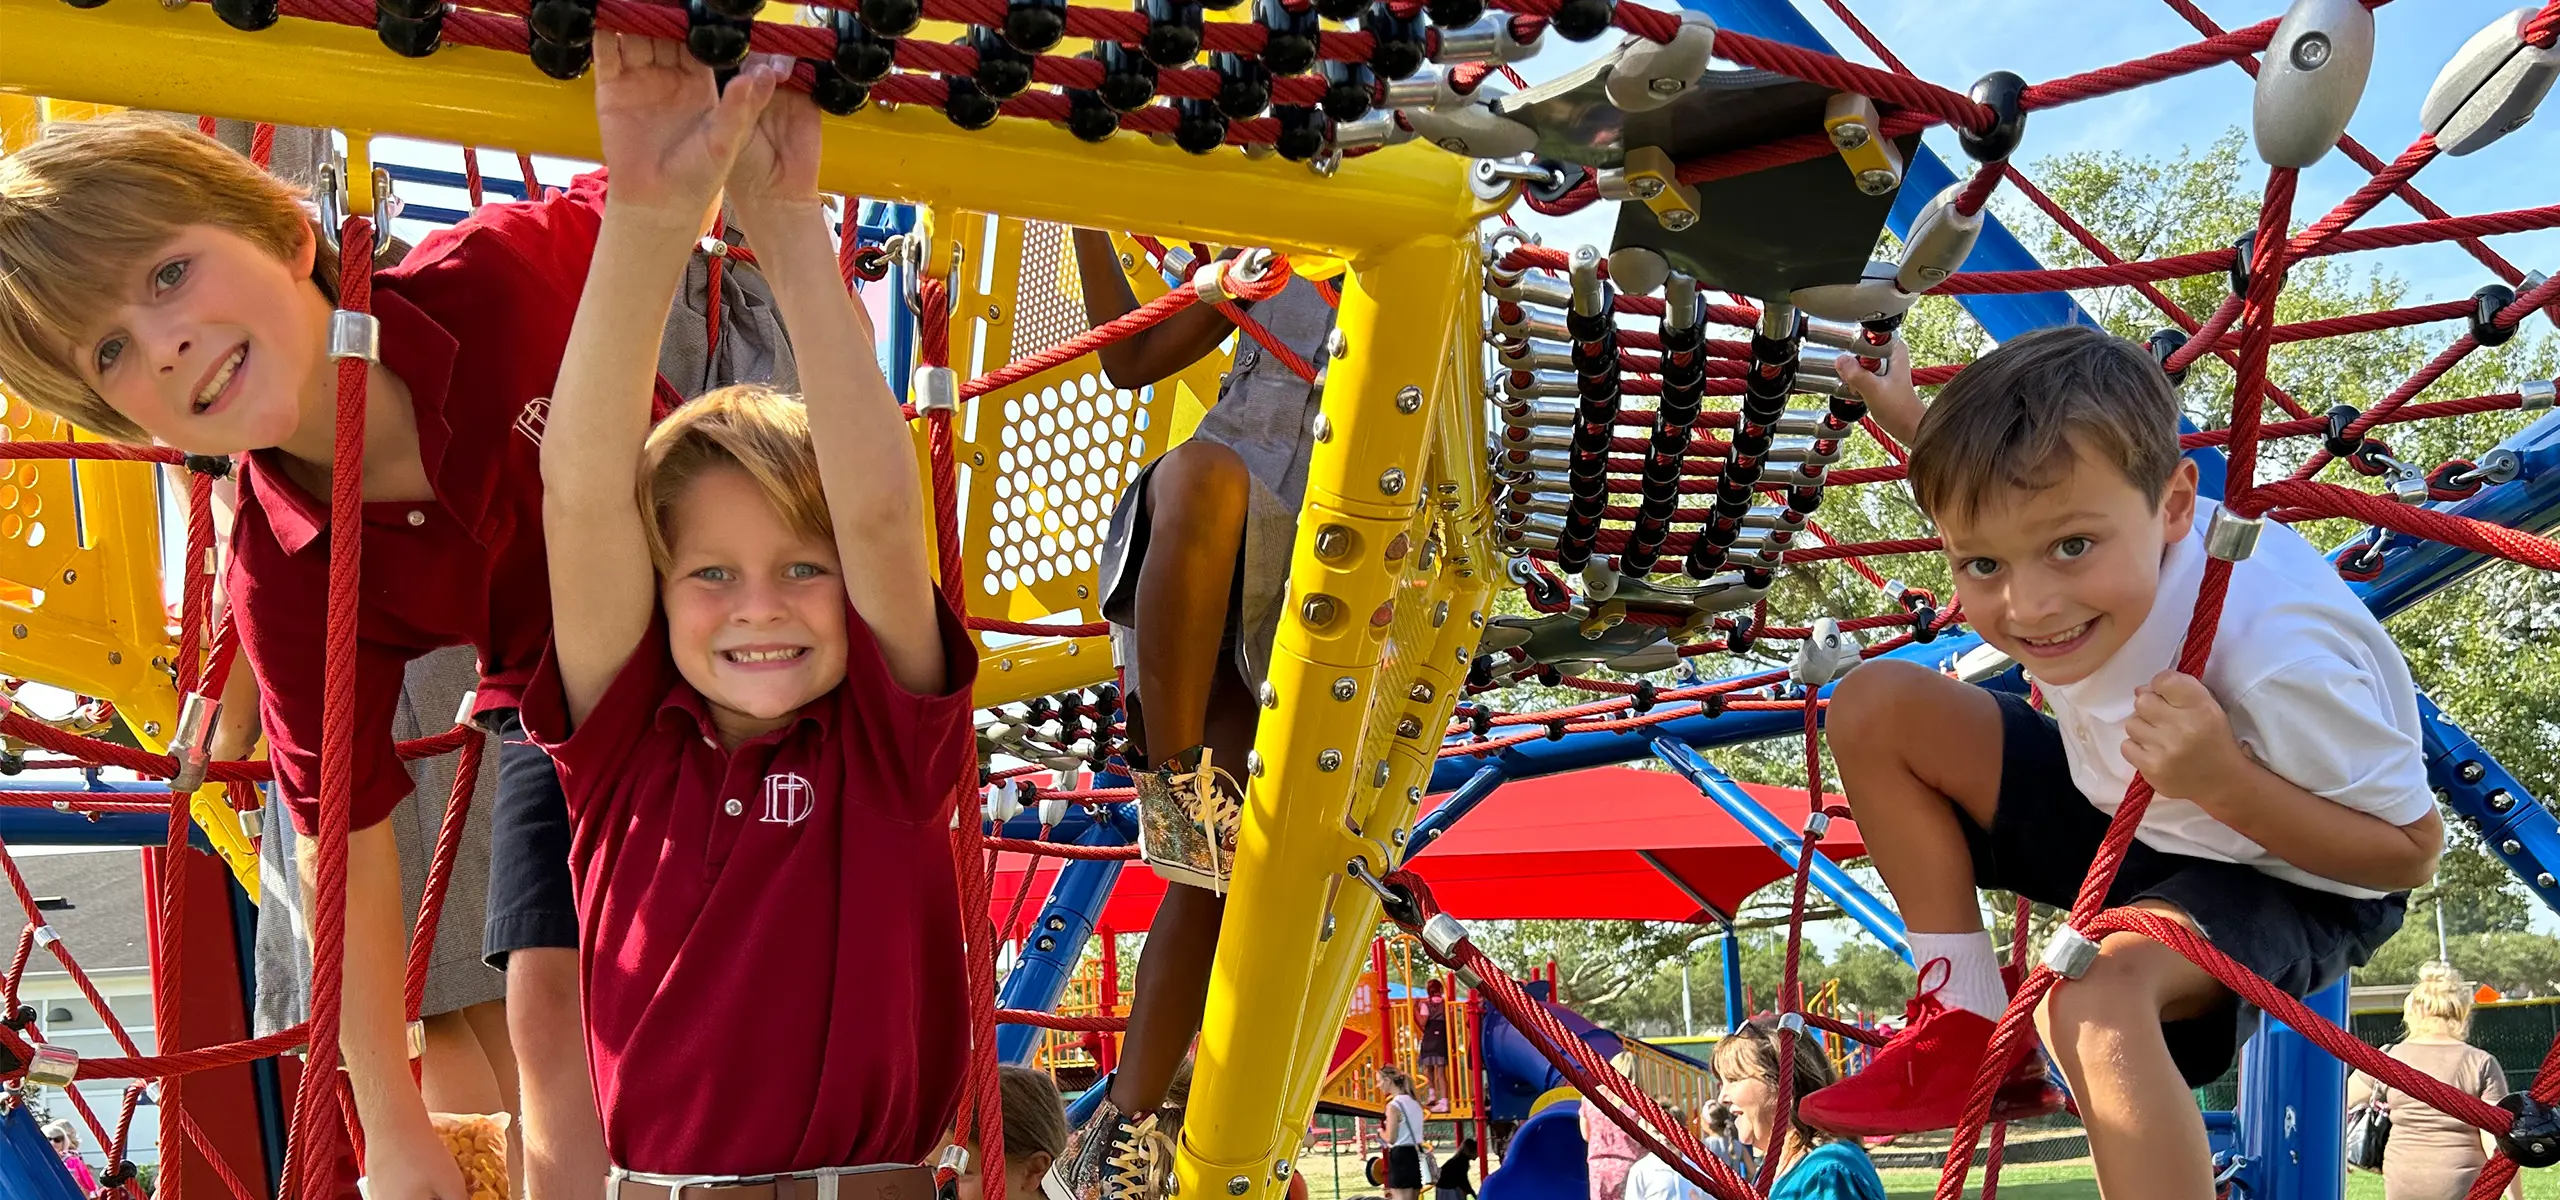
(50, 827)
(2469, 781)
(1469, 794)
(1853, 898)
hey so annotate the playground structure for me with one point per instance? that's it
(1402, 538)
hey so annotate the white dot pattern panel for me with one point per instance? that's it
(1048, 303)
(1065, 455)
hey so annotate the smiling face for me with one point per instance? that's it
(1755, 1108)
(211, 345)
(2059, 578)
(755, 610)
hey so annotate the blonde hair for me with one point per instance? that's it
(749, 427)
(81, 208)
(1751, 1052)
(1035, 1117)
(2440, 1004)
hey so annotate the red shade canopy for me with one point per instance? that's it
(1609, 843)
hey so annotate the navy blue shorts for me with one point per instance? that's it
(532, 905)
(2046, 833)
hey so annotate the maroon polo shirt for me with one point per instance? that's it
(778, 982)
(474, 321)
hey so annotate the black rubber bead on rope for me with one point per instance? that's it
(1397, 45)
(736, 10)
(409, 37)
(1644, 698)
(96, 3)
(1173, 32)
(892, 18)
(1453, 14)
(2163, 343)
(560, 61)
(211, 466)
(862, 54)
(1744, 632)
(1480, 721)
(1199, 126)
(1128, 79)
(1349, 88)
(714, 40)
(567, 22)
(1711, 705)
(2534, 1139)
(2485, 306)
(247, 16)
(1582, 20)
(1289, 38)
(968, 105)
(2334, 439)
(835, 93)
(19, 1020)
(1244, 85)
(2242, 250)
(1304, 131)
(1035, 26)
(1089, 116)
(1003, 72)
(2005, 94)
(119, 1175)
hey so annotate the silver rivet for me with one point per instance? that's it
(1071, 649)
(115, 658)
(1253, 763)
(1332, 541)
(1345, 688)
(2544, 880)
(1410, 727)
(18, 630)
(71, 577)
(1336, 345)
(1270, 695)
(1398, 837)
(1318, 610)
(1327, 934)
(1413, 795)
(1378, 778)
(1004, 664)
(1476, 619)
(1409, 400)
(1392, 481)
(416, 518)
(2511, 846)
(1421, 693)
(734, 806)
(1439, 612)
(1239, 1186)
(1324, 428)
(151, 729)
(1280, 1169)
(1330, 760)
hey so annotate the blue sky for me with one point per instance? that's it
(1953, 42)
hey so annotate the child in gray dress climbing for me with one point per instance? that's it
(1191, 631)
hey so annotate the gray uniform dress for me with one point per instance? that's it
(1266, 414)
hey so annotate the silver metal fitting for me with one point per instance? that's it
(2539, 394)
(1409, 400)
(1345, 688)
(1391, 481)
(1816, 824)
(46, 937)
(1239, 1185)
(2070, 954)
(416, 1034)
(2231, 537)
(191, 745)
(53, 1066)
(1329, 761)
(355, 335)
(1587, 287)
(1444, 934)
(935, 389)
(1425, 88)
(1791, 1022)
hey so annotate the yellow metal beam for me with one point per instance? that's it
(315, 73)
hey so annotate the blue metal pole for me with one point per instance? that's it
(2414, 570)
(1459, 804)
(2292, 1095)
(1734, 1014)
(1062, 927)
(2518, 830)
(1853, 899)
(46, 827)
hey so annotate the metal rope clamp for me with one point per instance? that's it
(2070, 954)
(1248, 267)
(355, 335)
(192, 745)
(53, 1065)
(2232, 537)
(936, 390)
(331, 194)
(2536, 395)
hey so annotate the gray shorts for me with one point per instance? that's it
(456, 977)
(1262, 578)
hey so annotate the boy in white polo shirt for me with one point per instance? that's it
(2293, 808)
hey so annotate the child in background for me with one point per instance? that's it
(2292, 806)
(1035, 1139)
(1651, 1178)
(1192, 632)
(1721, 1142)
(757, 700)
(1452, 1182)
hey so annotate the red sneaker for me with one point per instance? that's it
(1919, 1081)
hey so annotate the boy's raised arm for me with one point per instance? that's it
(669, 134)
(866, 456)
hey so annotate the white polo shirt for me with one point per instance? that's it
(2314, 687)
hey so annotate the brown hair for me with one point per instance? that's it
(83, 205)
(1751, 1052)
(750, 427)
(1035, 1118)
(2015, 416)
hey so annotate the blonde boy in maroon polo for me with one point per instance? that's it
(758, 703)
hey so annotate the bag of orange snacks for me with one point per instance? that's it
(478, 1142)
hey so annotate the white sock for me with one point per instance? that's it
(1973, 970)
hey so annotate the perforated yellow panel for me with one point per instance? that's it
(1043, 462)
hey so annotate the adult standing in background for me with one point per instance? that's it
(2432, 1156)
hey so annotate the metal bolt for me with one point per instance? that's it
(1440, 614)
(1345, 688)
(1398, 546)
(1281, 1169)
(1392, 481)
(18, 630)
(1046, 943)
(1421, 693)
(2471, 771)
(1666, 86)
(1849, 135)
(2511, 846)
(1253, 763)
(1336, 345)
(1323, 428)
(1409, 400)
(1410, 727)
(1004, 664)
(1877, 182)
(978, 459)
(1319, 610)
(1239, 1186)
(1083, 592)
(1270, 695)
(151, 729)
(1330, 760)
(1332, 542)
(2312, 52)
(2544, 880)
(1476, 619)
(1326, 935)
(1071, 649)
(71, 576)
(2500, 801)
(1379, 777)
(992, 312)
(115, 658)
(1398, 837)
(1413, 795)
(1678, 219)
(1056, 924)
(1646, 189)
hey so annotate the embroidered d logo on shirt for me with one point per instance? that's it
(787, 799)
